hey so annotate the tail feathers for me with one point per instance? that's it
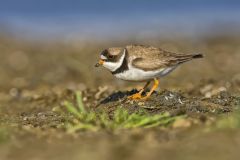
(185, 58)
(198, 55)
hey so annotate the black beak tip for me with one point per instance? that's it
(96, 65)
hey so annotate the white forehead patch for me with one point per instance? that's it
(103, 57)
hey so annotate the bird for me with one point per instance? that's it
(142, 63)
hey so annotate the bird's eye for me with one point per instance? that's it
(110, 56)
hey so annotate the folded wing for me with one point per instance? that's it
(149, 58)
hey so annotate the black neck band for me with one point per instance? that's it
(123, 67)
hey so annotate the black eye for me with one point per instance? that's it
(110, 56)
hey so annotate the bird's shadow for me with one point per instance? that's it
(118, 95)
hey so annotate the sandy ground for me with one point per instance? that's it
(37, 77)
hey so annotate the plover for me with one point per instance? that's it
(142, 63)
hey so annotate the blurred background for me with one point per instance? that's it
(57, 42)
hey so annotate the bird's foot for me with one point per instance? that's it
(138, 96)
(135, 96)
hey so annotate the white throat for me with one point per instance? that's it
(113, 66)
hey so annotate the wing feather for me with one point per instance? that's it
(149, 58)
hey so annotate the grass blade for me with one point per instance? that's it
(72, 109)
(79, 102)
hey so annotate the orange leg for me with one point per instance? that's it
(156, 83)
(139, 94)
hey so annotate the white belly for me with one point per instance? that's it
(134, 74)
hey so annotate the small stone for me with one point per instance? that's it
(206, 88)
(36, 97)
(141, 103)
(180, 101)
(25, 118)
(100, 92)
(14, 92)
(85, 99)
(56, 109)
(208, 95)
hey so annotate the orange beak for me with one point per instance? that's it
(100, 63)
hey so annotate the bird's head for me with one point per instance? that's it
(111, 58)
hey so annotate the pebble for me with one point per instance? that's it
(141, 103)
(100, 92)
(25, 118)
(14, 92)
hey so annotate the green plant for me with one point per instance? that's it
(229, 121)
(91, 120)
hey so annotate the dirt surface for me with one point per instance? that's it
(36, 81)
